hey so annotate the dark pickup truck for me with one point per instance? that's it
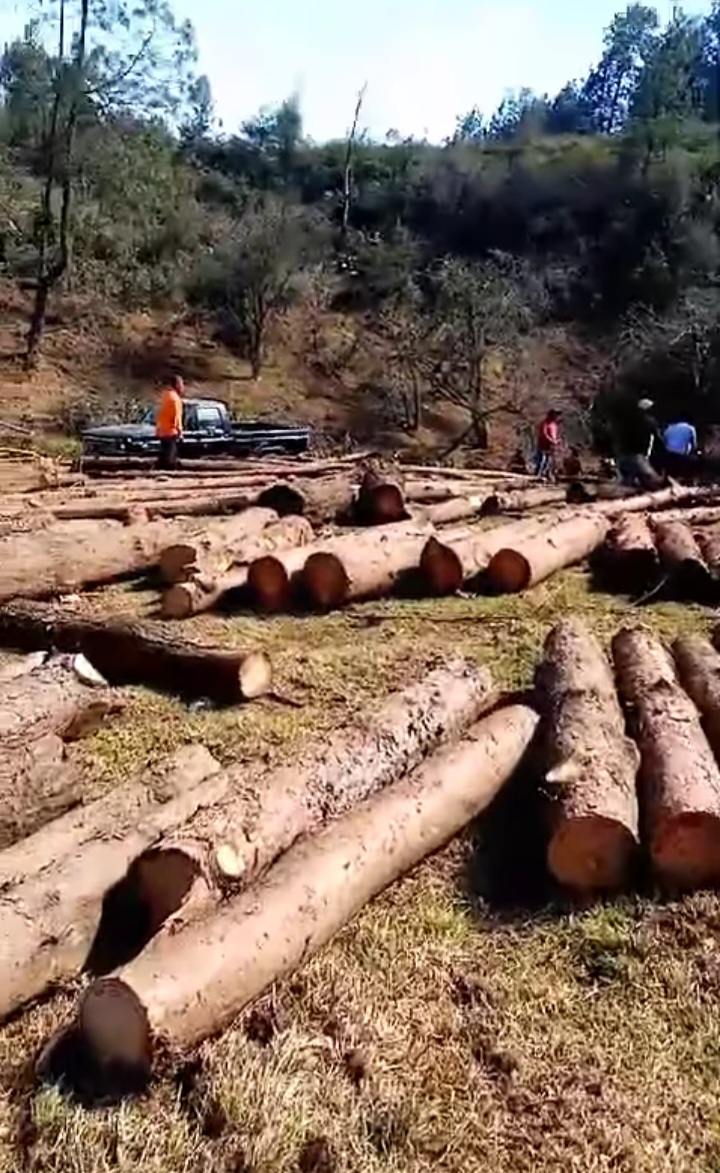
(208, 430)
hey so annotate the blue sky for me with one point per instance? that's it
(424, 61)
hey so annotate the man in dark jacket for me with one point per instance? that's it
(637, 434)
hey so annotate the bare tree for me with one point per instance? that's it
(348, 167)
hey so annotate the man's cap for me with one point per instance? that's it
(645, 404)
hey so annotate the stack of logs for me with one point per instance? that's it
(673, 550)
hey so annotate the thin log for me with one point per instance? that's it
(212, 549)
(680, 779)
(456, 509)
(363, 565)
(206, 590)
(132, 653)
(464, 474)
(591, 765)
(238, 466)
(191, 985)
(55, 882)
(698, 666)
(688, 573)
(642, 502)
(521, 499)
(530, 560)
(702, 516)
(628, 559)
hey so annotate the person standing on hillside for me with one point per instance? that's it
(548, 442)
(169, 422)
(637, 433)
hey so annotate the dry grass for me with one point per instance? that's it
(440, 1030)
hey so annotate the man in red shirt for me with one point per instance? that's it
(548, 441)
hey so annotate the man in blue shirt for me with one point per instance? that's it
(681, 456)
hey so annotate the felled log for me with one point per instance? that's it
(133, 653)
(455, 559)
(697, 518)
(590, 764)
(628, 559)
(361, 565)
(55, 882)
(680, 779)
(709, 542)
(318, 500)
(235, 841)
(688, 573)
(238, 466)
(456, 509)
(465, 474)
(192, 984)
(212, 549)
(54, 698)
(37, 784)
(206, 590)
(698, 666)
(658, 499)
(522, 499)
(380, 500)
(529, 560)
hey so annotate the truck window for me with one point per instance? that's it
(208, 419)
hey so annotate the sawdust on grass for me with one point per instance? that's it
(440, 1030)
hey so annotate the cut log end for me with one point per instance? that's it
(269, 584)
(176, 561)
(325, 582)
(441, 570)
(114, 1026)
(255, 675)
(593, 854)
(284, 499)
(509, 572)
(686, 850)
(228, 862)
(177, 601)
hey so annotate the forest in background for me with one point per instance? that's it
(597, 208)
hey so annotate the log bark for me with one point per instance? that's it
(380, 500)
(37, 785)
(212, 550)
(701, 516)
(206, 590)
(680, 779)
(54, 698)
(240, 466)
(362, 565)
(688, 573)
(530, 560)
(642, 502)
(133, 653)
(591, 765)
(191, 985)
(456, 509)
(55, 882)
(232, 843)
(628, 559)
(698, 666)
(521, 499)
(710, 547)
(465, 474)
(70, 555)
(457, 558)
(321, 500)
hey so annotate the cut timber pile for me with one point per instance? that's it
(234, 842)
(191, 985)
(206, 589)
(680, 790)
(213, 549)
(531, 559)
(54, 883)
(133, 653)
(628, 559)
(591, 765)
(688, 574)
(457, 558)
(698, 666)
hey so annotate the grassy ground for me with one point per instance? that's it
(460, 1023)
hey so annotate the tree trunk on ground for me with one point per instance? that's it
(321, 500)
(37, 785)
(688, 574)
(464, 474)
(70, 555)
(240, 465)
(192, 985)
(233, 842)
(380, 500)
(212, 550)
(591, 766)
(698, 666)
(628, 560)
(132, 653)
(365, 565)
(53, 698)
(55, 882)
(455, 509)
(455, 559)
(530, 560)
(702, 516)
(641, 502)
(680, 779)
(205, 590)
(710, 547)
(521, 499)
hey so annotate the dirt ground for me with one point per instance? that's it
(466, 1020)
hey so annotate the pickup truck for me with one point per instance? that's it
(208, 430)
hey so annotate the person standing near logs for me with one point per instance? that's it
(169, 422)
(548, 442)
(636, 436)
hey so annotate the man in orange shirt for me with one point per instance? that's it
(168, 422)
